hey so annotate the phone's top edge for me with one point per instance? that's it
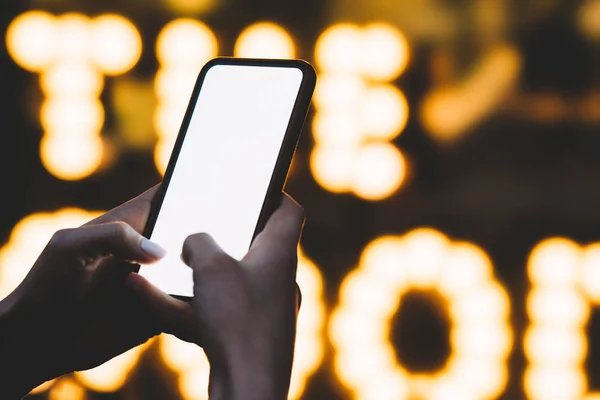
(303, 65)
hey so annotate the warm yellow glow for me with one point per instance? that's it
(175, 85)
(71, 52)
(190, 6)
(72, 117)
(425, 251)
(27, 240)
(180, 356)
(332, 167)
(193, 385)
(564, 282)
(588, 18)
(451, 111)
(339, 48)
(384, 112)
(558, 346)
(590, 272)
(481, 336)
(74, 37)
(167, 120)
(385, 52)
(562, 307)
(309, 347)
(387, 256)
(466, 266)
(552, 262)
(67, 389)
(357, 115)
(337, 129)
(113, 374)
(379, 170)
(339, 92)
(116, 44)
(71, 80)
(487, 301)
(264, 40)
(555, 382)
(192, 368)
(482, 341)
(44, 386)
(71, 158)
(31, 40)
(162, 154)
(183, 47)
(185, 42)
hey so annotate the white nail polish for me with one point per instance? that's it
(152, 249)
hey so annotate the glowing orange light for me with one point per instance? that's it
(265, 40)
(481, 338)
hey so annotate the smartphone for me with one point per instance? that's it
(230, 161)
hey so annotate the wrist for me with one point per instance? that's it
(23, 372)
(248, 374)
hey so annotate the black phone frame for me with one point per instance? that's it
(286, 152)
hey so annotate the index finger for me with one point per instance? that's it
(279, 239)
(134, 212)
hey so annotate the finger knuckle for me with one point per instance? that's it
(120, 229)
(60, 238)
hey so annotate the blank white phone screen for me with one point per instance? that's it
(224, 168)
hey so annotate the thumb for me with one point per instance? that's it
(115, 238)
(200, 251)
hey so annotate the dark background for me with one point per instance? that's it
(509, 182)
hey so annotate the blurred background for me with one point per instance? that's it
(449, 170)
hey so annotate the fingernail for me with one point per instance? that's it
(152, 249)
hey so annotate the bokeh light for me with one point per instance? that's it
(67, 389)
(451, 111)
(333, 167)
(112, 375)
(481, 337)
(384, 112)
(71, 158)
(31, 40)
(358, 112)
(27, 240)
(379, 170)
(564, 281)
(386, 52)
(183, 47)
(339, 49)
(185, 42)
(309, 348)
(191, 6)
(72, 80)
(72, 117)
(74, 37)
(43, 387)
(265, 40)
(588, 18)
(71, 52)
(116, 44)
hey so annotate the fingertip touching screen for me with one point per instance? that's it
(224, 167)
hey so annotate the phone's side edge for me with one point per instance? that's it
(289, 145)
(163, 186)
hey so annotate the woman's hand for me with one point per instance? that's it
(77, 309)
(247, 309)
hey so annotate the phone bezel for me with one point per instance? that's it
(286, 152)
